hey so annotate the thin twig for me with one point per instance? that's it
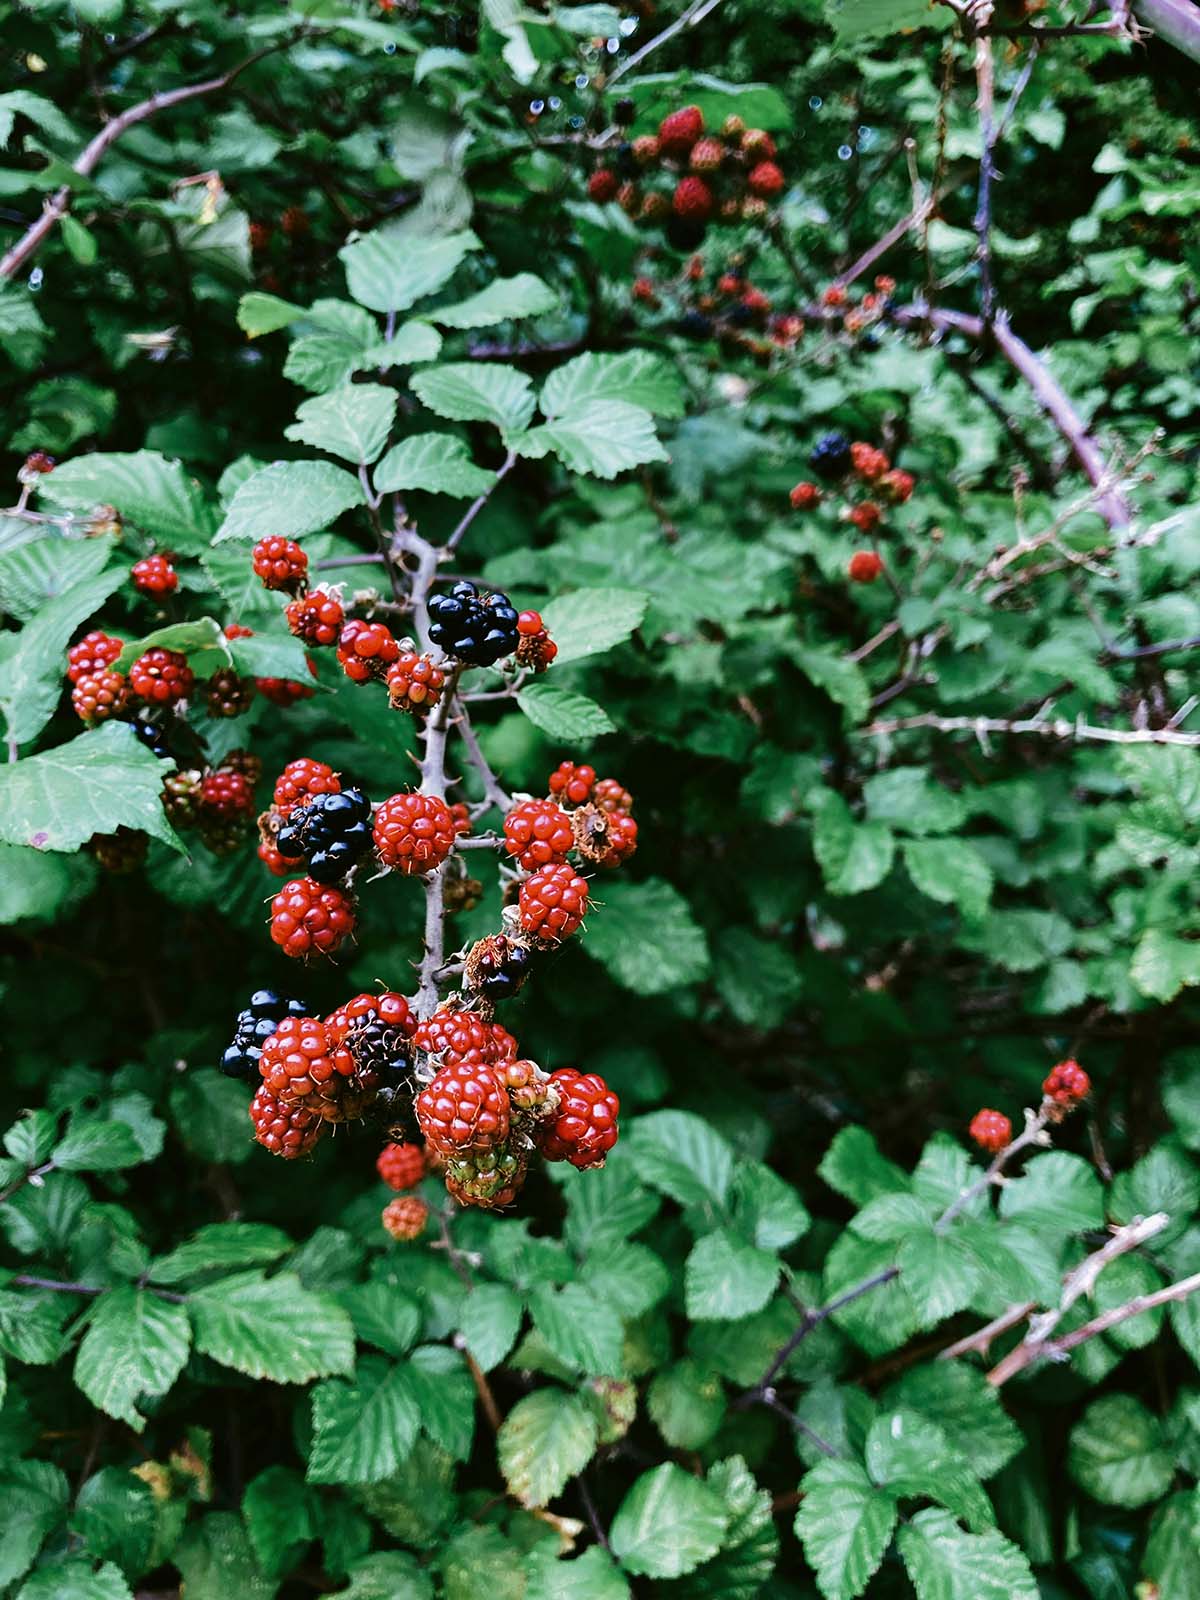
(1042, 727)
(695, 14)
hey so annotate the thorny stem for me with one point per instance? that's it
(477, 505)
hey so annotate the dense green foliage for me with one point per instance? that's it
(864, 903)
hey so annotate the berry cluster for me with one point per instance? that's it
(216, 801)
(710, 300)
(685, 176)
(1065, 1087)
(859, 316)
(865, 483)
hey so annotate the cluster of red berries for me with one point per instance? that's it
(218, 802)
(865, 484)
(1064, 1088)
(859, 315)
(684, 177)
(155, 576)
(157, 678)
(710, 301)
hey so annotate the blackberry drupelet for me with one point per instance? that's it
(256, 1023)
(475, 628)
(329, 833)
(830, 457)
(152, 736)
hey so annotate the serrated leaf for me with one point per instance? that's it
(32, 668)
(146, 488)
(591, 1576)
(291, 498)
(687, 1404)
(842, 680)
(646, 936)
(725, 1280)
(583, 1335)
(382, 1315)
(46, 569)
(768, 1207)
(363, 1430)
(950, 871)
(271, 655)
(209, 1111)
(216, 1561)
(446, 1397)
(966, 1407)
(602, 438)
(504, 300)
(260, 313)
(278, 1518)
(1118, 1453)
(116, 1517)
(33, 1498)
(135, 1345)
(757, 978)
(1058, 1191)
(390, 271)
(945, 1563)
(489, 1322)
(439, 463)
(1164, 964)
(747, 1557)
(855, 1168)
(683, 1156)
(941, 1275)
(545, 1440)
(564, 714)
(862, 19)
(202, 641)
(911, 1456)
(853, 857)
(845, 1524)
(627, 1276)
(95, 783)
(95, 1145)
(668, 1523)
(221, 1245)
(272, 1328)
(352, 422)
(76, 1578)
(466, 392)
(590, 621)
(637, 377)
(907, 798)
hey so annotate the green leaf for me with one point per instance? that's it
(591, 1576)
(1172, 1546)
(382, 1315)
(854, 1167)
(135, 1345)
(747, 1557)
(363, 1430)
(912, 1457)
(941, 1276)
(952, 872)
(289, 497)
(216, 1561)
(76, 1579)
(272, 1328)
(544, 1441)
(210, 1113)
(683, 1156)
(1057, 1191)
(259, 313)
(945, 1563)
(31, 671)
(446, 1397)
(489, 1322)
(352, 422)
(564, 714)
(271, 655)
(203, 642)
(221, 1245)
(965, 1406)
(853, 857)
(504, 300)
(725, 1280)
(34, 573)
(146, 488)
(687, 1404)
(116, 1517)
(636, 377)
(439, 463)
(861, 19)
(1118, 1453)
(33, 1499)
(668, 1523)
(646, 936)
(390, 270)
(590, 621)
(907, 798)
(627, 1276)
(757, 979)
(602, 438)
(94, 1145)
(95, 783)
(467, 392)
(1121, 1281)
(279, 1519)
(1163, 965)
(582, 1334)
(842, 680)
(845, 1524)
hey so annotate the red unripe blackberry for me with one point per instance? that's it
(622, 840)
(896, 486)
(754, 209)
(646, 150)
(629, 198)
(553, 902)
(865, 516)
(154, 576)
(401, 1166)
(538, 832)
(285, 1130)
(226, 795)
(766, 180)
(300, 780)
(36, 465)
(531, 1092)
(389, 1008)
(991, 1130)
(756, 303)
(280, 564)
(94, 652)
(584, 1128)
(654, 207)
(284, 691)
(835, 295)
(613, 797)
(733, 127)
(865, 566)
(572, 784)
(535, 648)
(316, 617)
(414, 682)
(260, 236)
(730, 283)
(301, 1065)
(310, 918)
(414, 833)
(867, 461)
(501, 1045)
(758, 143)
(486, 1178)
(453, 1038)
(238, 630)
(230, 695)
(161, 677)
(1067, 1084)
(885, 284)
(707, 155)
(805, 495)
(603, 184)
(787, 330)
(461, 817)
(294, 222)
(405, 1217)
(643, 289)
(100, 695)
(463, 1108)
(679, 132)
(692, 200)
(366, 650)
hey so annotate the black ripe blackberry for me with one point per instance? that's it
(256, 1023)
(695, 325)
(684, 233)
(830, 456)
(627, 167)
(475, 628)
(497, 966)
(152, 736)
(228, 694)
(329, 833)
(624, 112)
